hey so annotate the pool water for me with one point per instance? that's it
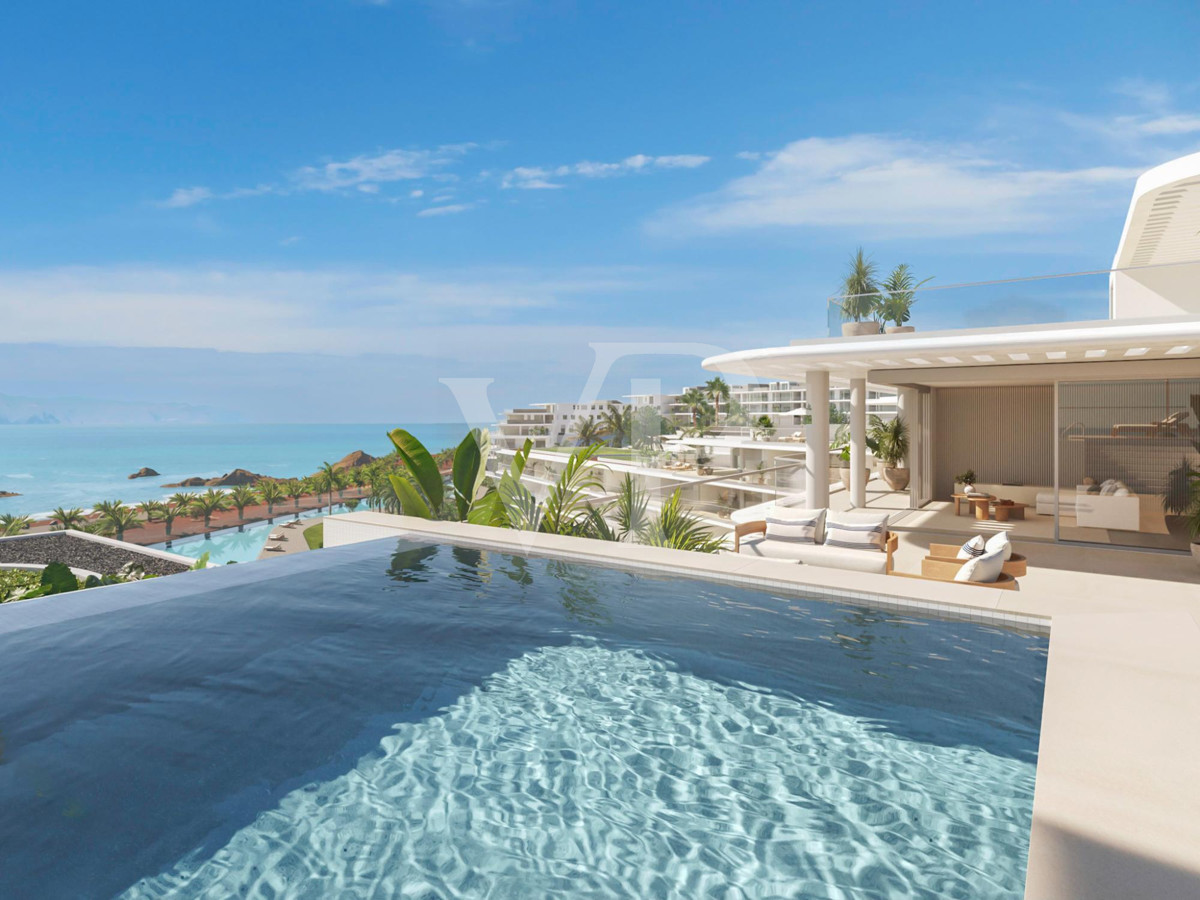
(230, 545)
(399, 720)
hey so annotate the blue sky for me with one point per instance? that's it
(314, 211)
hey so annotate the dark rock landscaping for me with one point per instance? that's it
(81, 553)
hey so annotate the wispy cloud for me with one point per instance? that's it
(540, 178)
(379, 168)
(447, 210)
(185, 197)
(886, 184)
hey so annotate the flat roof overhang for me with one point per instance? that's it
(1164, 217)
(1176, 338)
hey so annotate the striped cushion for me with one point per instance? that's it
(972, 548)
(857, 531)
(801, 526)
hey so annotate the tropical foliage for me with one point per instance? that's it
(859, 291)
(890, 439)
(11, 524)
(63, 519)
(900, 289)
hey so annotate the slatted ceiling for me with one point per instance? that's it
(1004, 433)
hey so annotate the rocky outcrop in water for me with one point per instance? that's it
(145, 472)
(229, 479)
(9, 494)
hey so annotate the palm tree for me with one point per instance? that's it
(271, 493)
(209, 502)
(859, 291)
(150, 509)
(617, 421)
(693, 400)
(716, 390)
(11, 524)
(294, 488)
(182, 502)
(63, 519)
(241, 496)
(169, 511)
(327, 480)
(587, 431)
(117, 518)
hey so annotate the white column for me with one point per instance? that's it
(816, 453)
(908, 408)
(858, 442)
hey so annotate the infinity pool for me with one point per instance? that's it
(400, 720)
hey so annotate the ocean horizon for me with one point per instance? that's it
(79, 465)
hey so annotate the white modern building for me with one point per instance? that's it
(547, 424)
(1089, 424)
(786, 402)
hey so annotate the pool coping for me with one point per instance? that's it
(1114, 812)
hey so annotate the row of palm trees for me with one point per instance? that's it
(114, 517)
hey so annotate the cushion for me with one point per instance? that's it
(983, 569)
(815, 555)
(1002, 543)
(972, 548)
(856, 531)
(1121, 492)
(805, 526)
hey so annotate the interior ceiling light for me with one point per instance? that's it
(1019, 357)
(917, 361)
(953, 360)
(1182, 348)
(1095, 354)
(1137, 351)
(983, 357)
(1056, 354)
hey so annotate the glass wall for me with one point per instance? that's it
(1124, 451)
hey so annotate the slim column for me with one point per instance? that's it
(858, 442)
(816, 451)
(908, 408)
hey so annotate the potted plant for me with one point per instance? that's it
(891, 448)
(1181, 497)
(764, 427)
(841, 462)
(965, 482)
(859, 297)
(896, 306)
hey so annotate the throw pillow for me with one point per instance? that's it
(856, 531)
(982, 569)
(1000, 542)
(801, 526)
(972, 548)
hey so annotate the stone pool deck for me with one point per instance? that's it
(1117, 804)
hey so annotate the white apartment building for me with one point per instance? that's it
(785, 402)
(546, 424)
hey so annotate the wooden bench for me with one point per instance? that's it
(944, 571)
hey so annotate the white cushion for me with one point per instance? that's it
(815, 555)
(1002, 543)
(972, 548)
(983, 569)
(856, 531)
(805, 526)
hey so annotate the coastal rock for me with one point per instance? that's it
(187, 482)
(236, 477)
(9, 494)
(354, 460)
(145, 472)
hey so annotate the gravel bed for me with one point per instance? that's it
(80, 553)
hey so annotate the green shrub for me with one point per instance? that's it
(58, 578)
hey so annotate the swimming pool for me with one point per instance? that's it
(397, 719)
(230, 545)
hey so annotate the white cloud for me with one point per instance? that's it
(388, 166)
(446, 210)
(292, 309)
(184, 197)
(883, 184)
(539, 178)
(416, 193)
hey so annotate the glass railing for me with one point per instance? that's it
(1145, 291)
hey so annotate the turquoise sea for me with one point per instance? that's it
(66, 465)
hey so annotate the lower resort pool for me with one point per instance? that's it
(230, 545)
(405, 720)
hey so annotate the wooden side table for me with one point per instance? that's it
(1011, 510)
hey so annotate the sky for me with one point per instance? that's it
(433, 210)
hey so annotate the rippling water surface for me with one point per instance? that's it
(401, 721)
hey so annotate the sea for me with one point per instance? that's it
(68, 465)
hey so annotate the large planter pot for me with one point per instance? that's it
(896, 478)
(1196, 552)
(844, 474)
(899, 329)
(859, 329)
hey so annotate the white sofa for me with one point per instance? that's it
(751, 539)
(1113, 510)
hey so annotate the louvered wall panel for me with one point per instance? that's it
(1006, 434)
